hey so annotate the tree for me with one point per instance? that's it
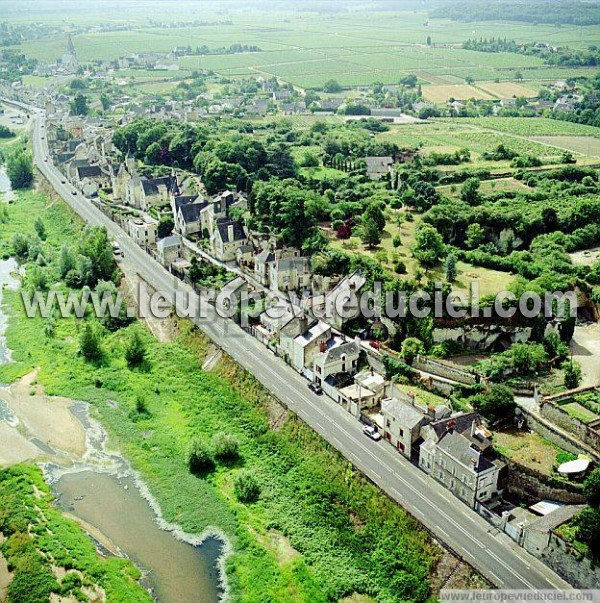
(246, 488)
(591, 488)
(135, 350)
(199, 457)
(588, 529)
(475, 235)
(428, 41)
(165, 227)
(429, 246)
(332, 86)
(19, 167)
(97, 248)
(370, 233)
(450, 268)
(470, 191)
(105, 101)
(499, 403)
(396, 240)
(572, 374)
(225, 447)
(40, 229)
(411, 347)
(89, 343)
(79, 105)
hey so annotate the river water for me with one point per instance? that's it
(102, 490)
(6, 192)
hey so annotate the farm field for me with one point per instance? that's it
(508, 89)
(455, 134)
(586, 145)
(531, 126)
(441, 94)
(355, 48)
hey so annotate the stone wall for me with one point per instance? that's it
(586, 433)
(531, 486)
(444, 369)
(563, 440)
(570, 564)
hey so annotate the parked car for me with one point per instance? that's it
(315, 387)
(375, 345)
(371, 432)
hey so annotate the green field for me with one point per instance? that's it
(355, 48)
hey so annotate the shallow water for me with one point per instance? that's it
(177, 572)
(6, 280)
(104, 491)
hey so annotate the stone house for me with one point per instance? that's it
(377, 167)
(156, 191)
(167, 250)
(309, 343)
(457, 453)
(341, 303)
(402, 422)
(336, 357)
(143, 231)
(229, 235)
(289, 272)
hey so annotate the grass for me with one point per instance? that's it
(490, 281)
(39, 538)
(349, 536)
(356, 48)
(527, 449)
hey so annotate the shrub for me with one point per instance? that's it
(199, 457)
(89, 343)
(573, 374)
(135, 351)
(225, 447)
(246, 487)
(591, 488)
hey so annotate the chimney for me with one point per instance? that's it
(473, 428)
(230, 232)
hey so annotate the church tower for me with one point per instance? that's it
(69, 60)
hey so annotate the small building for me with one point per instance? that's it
(341, 304)
(228, 237)
(378, 167)
(309, 343)
(143, 231)
(168, 249)
(402, 422)
(337, 357)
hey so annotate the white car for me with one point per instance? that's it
(371, 432)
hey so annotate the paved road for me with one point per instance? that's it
(492, 553)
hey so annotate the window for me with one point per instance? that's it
(402, 433)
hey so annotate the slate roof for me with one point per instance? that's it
(294, 263)
(223, 225)
(460, 448)
(405, 414)
(313, 332)
(88, 171)
(184, 200)
(190, 212)
(169, 242)
(150, 186)
(349, 349)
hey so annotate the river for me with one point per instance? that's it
(102, 492)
